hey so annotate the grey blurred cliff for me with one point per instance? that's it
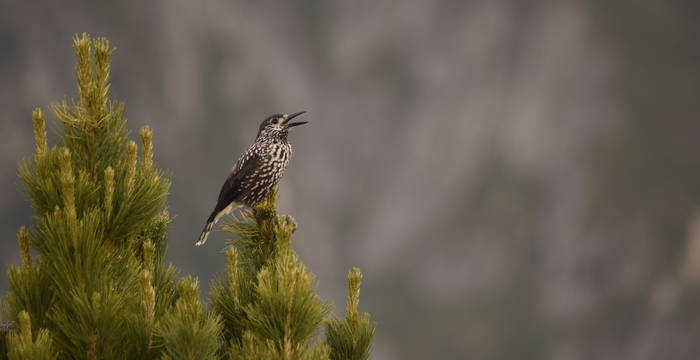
(516, 179)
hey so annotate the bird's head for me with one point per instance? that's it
(279, 124)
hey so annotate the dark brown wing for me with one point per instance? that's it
(232, 190)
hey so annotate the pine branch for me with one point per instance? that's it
(350, 338)
(22, 345)
(267, 301)
(187, 332)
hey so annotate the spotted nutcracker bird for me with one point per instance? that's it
(257, 171)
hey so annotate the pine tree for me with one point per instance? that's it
(267, 299)
(93, 283)
(98, 280)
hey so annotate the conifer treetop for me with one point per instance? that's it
(93, 284)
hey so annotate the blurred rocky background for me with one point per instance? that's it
(516, 179)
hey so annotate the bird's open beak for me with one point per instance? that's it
(287, 124)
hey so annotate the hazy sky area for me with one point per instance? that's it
(516, 179)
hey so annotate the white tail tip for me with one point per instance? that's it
(204, 235)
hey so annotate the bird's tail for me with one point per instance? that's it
(205, 233)
(213, 218)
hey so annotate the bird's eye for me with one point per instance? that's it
(274, 121)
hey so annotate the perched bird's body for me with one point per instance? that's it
(257, 171)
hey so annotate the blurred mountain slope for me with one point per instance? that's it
(516, 178)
